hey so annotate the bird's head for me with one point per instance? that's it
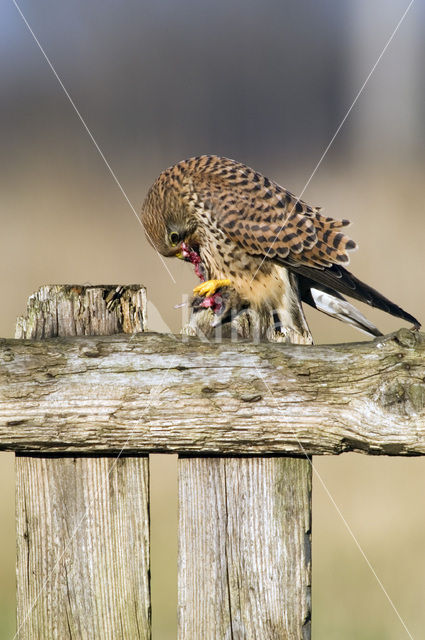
(167, 222)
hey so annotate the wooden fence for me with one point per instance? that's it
(83, 413)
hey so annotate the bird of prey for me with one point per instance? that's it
(245, 232)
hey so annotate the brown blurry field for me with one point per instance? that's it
(265, 83)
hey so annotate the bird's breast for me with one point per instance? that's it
(256, 280)
(259, 281)
(263, 287)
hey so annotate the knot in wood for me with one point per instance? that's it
(390, 394)
(251, 397)
(406, 337)
(417, 396)
(401, 397)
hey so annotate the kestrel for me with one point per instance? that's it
(243, 231)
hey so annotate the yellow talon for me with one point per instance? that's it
(209, 287)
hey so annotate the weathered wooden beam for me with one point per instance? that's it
(82, 523)
(161, 393)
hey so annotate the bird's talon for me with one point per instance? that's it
(209, 287)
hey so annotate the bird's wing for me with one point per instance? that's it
(268, 221)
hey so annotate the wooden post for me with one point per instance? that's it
(82, 523)
(245, 534)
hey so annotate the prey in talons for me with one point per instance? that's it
(212, 294)
(209, 288)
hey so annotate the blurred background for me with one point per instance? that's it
(267, 84)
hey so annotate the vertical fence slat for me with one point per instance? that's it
(244, 548)
(245, 534)
(82, 548)
(83, 522)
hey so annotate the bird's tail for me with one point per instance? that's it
(336, 280)
(338, 307)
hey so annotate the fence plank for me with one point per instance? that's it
(82, 548)
(244, 548)
(82, 523)
(245, 536)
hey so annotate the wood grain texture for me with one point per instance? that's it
(82, 548)
(82, 523)
(78, 310)
(244, 548)
(245, 542)
(160, 393)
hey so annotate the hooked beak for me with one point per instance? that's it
(183, 252)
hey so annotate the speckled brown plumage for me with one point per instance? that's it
(247, 228)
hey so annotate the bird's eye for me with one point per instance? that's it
(174, 237)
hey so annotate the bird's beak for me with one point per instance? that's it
(179, 255)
